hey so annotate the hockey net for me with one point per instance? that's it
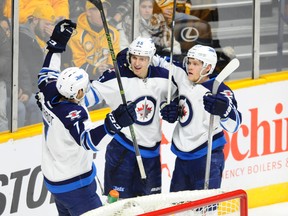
(195, 203)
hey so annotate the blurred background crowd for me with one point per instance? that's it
(206, 22)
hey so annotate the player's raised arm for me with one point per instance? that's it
(69, 135)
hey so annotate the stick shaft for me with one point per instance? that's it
(99, 5)
(171, 52)
(230, 68)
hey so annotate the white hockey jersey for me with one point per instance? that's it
(68, 135)
(147, 94)
(190, 136)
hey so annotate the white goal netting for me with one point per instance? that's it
(150, 205)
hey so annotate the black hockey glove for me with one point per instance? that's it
(60, 36)
(217, 104)
(123, 116)
(38, 100)
(169, 112)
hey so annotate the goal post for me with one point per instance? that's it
(212, 202)
(223, 201)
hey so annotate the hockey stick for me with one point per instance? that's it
(99, 5)
(100, 184)
(97, 178)
(230, 68)
(171, 53)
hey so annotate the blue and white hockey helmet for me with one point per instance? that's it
(142, 46)
(205, 54)
(71, 80)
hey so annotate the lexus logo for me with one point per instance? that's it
(189, 34)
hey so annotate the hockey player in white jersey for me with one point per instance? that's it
(69, 136)
(192, 110)
(146, 86)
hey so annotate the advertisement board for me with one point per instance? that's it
(256, 155)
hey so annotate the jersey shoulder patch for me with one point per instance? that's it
(69, 113)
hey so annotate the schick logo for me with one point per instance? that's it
(258, 135)
(79, 77)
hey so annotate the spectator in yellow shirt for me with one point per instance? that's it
(27, 7)
(32, 35)
(89, 44)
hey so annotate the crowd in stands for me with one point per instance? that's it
(88, 47)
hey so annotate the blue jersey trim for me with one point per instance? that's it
(237, 119)
(201, 150)
(145, 153)
(90, 142)
(56, 187)
(95, 96)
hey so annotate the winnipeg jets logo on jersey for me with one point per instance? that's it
(186, 111)
(145, 110)
(74, 114)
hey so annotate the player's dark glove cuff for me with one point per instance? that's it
(38, 99)
(169, 112)
(217, 104)
(123, 116)
(111, 124)
(60, 36)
